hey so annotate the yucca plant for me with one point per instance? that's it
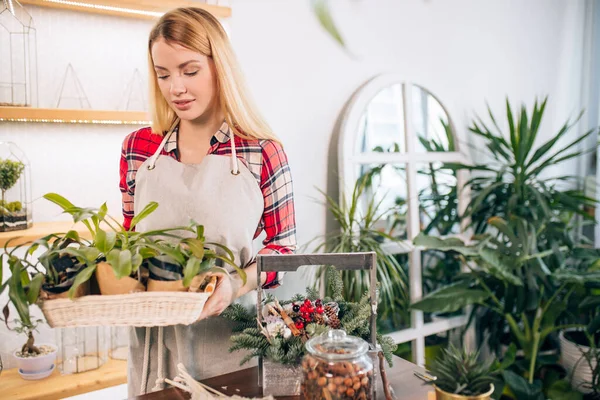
(460, 372)
(512, 180)
(358, 233)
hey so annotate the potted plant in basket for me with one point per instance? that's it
(33, 361)
(115, 255)
(461, 375)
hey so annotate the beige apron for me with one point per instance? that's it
(223, 195)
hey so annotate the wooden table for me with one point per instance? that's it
(58, 386)
(405, 384)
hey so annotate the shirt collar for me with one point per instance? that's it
(221, 136)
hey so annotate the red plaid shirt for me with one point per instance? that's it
(265, 159)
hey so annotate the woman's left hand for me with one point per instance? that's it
(226, 291)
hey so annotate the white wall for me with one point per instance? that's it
(464, 51)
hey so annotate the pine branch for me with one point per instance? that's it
(312, 293)
(336, 284)
(388, 347)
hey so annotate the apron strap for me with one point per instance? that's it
(152, 159)
(234, 161)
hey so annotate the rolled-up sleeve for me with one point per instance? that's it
(278, 221)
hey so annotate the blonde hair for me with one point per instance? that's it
(197, 30)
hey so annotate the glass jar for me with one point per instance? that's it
(337, 367)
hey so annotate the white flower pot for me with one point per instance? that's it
(36, 367)
(573, 360)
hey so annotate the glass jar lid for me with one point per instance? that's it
(336, 345)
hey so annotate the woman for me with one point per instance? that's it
(210, 157)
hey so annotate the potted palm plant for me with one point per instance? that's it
(460, 375)
(358, 233)
(33, 361)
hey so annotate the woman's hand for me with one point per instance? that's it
(226, 291)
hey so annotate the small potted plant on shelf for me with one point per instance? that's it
(12, 216)
(461, 375)
(33, 361)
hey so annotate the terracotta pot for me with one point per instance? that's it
(198, 284)
(441, 395)
(109, 284)
(82, 290)
(166, 286)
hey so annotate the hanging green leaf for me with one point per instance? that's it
(323, 14)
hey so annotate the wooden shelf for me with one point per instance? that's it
(41, 229)
(144, 9)
(58, 386)
(59, 115)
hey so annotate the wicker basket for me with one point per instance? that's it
(135, 309)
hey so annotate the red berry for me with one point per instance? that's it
(303, 309)
(320, 310)
(311, 310)
(307, 302)
(299, 325)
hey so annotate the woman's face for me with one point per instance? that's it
(187, 80)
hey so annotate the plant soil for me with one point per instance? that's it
(578, 337)
(14, 221)
(44, 349)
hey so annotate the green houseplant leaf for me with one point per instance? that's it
(450, 298)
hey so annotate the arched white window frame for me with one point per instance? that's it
(348, 158)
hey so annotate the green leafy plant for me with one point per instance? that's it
(126, 250)
(23, 292)
(506, 278)
(512, 181)
(10, 171)
(460, 372)
(358, 233)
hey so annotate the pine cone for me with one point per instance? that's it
(319, 319)
(333, 320)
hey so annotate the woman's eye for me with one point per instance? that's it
(163, 77)
(190, 73)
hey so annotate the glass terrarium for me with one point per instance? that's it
(81, 349)
(119, 342)
(15, 186)
(18, 56)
